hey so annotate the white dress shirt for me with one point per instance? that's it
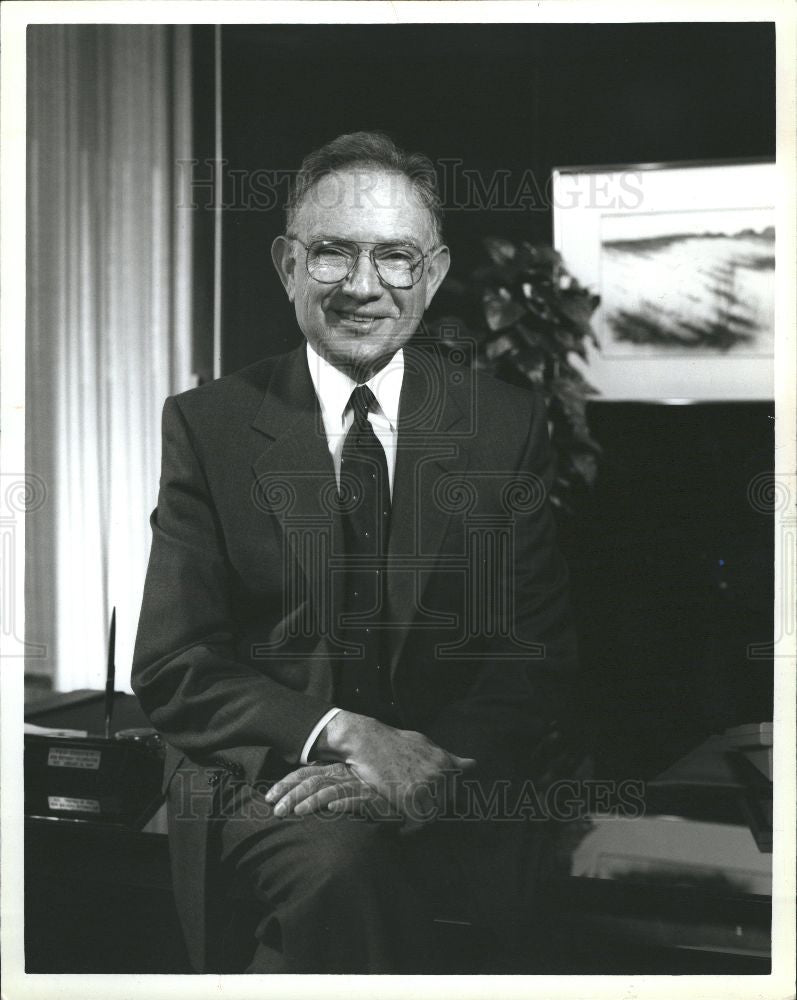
(334, 388)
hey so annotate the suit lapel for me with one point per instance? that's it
(295, 480)
(431, 455)
(294, 474)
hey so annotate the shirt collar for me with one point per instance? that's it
(334, 387)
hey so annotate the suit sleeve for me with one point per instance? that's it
(519, 697)
(197, 695)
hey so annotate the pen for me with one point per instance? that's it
(110, 675)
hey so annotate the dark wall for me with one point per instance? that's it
(517, 99)
(672, 579)
(671, 565)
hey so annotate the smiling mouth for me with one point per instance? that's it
(358, 320)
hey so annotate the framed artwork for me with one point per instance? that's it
(683, 258)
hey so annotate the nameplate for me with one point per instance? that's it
(82, 760)
(65, 804)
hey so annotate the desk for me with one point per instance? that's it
(604, 927)
(98, 898)
(684, 888)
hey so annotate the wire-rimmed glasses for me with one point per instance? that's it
(399, 265)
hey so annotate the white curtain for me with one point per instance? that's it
(108, 326)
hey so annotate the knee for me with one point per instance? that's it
(348, 852)
(300, 859)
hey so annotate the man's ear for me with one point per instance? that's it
(285, 262)
(439, 264)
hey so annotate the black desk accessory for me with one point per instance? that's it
(80, 775)
(91, 779)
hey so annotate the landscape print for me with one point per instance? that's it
(692, 283)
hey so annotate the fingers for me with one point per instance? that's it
(290, 781)
(337, 787)
(410, 826)
(346, 803)
(296, 786)
(313, 788)
(370, 804)
(464, 763)
(293, 798)
(328, 796)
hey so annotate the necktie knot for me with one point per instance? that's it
(362, 400)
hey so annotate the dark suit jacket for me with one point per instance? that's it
(236, 649)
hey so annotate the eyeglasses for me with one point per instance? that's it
(399, 265)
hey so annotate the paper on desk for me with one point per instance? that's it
(682, 850)
(33, 730)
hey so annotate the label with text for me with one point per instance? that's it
(83, 760)
(63, 803)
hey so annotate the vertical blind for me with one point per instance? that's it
(108, 325)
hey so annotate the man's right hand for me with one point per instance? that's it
(414, 774)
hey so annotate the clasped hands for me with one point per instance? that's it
(366, 766)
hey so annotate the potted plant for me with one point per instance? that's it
(528, 316)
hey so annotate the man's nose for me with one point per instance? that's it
(363, 281)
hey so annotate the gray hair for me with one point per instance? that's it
(369, 150)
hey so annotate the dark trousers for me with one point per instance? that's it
(343, 894)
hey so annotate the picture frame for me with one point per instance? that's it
(683, 258)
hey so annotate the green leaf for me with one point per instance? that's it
(571, 342)
(586, 466)
(577, 307)
(531, 362)
(499, 250)
(531, 320)
(539, 257)
(538, 338)
(500, 309)
(498, 347)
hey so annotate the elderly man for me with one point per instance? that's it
(354, 632)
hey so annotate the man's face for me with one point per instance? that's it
(359, 322)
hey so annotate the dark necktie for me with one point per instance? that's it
(365, 508)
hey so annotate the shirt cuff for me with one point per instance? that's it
(308, 746)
